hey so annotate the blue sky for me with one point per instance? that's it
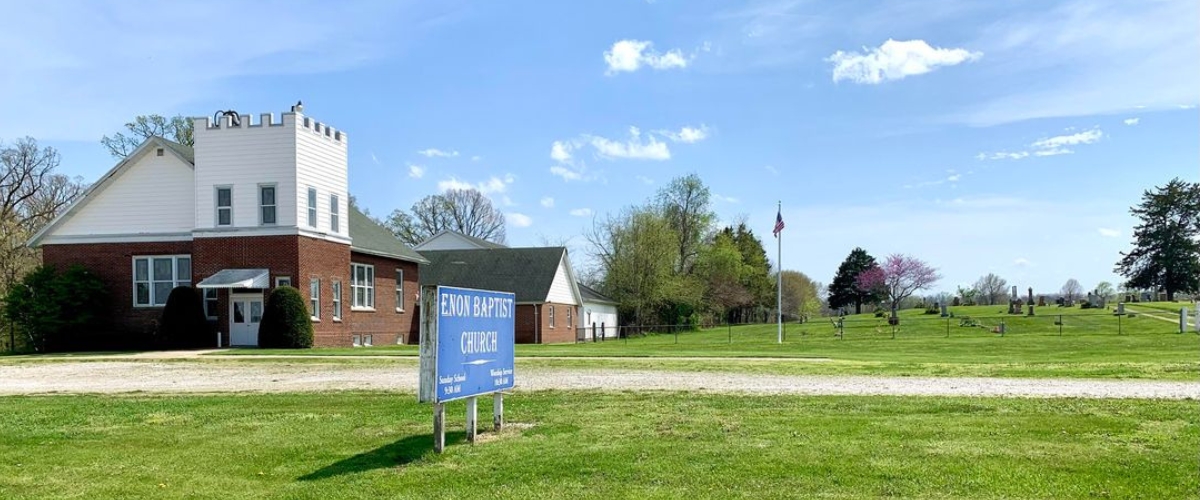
(1006, 137)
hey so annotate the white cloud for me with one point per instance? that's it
(581, 212)
(1108, 233)
(1021, 262)
(895, 60)
(686, 135)
(375, 159)
(631, 55)
(954, 178)
(772, 170)
(416, 171)
(1087, 137)
(644, 179)
(561, 151)
(634, 148)
(566, 173)
(1131, 121)
(548, 202)
(1049, 146)
(726, 199)
(493, 185)
(432, 152)
(518, 219)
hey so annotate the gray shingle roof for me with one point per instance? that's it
(367, 236)
(183, 150)
(481, 242)
(589, 294)
(527, 272)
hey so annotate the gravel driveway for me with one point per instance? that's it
(206, 377)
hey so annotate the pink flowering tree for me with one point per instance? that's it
(899, 277)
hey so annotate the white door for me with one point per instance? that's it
(245, 313)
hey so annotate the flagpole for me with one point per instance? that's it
(779, 277)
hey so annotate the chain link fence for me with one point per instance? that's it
(1101, 322)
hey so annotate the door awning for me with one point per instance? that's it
(237, 278)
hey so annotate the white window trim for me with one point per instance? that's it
(262, 206)
(335, 222)
(175, 281)
(314, 300)
(337, 300)
(311, 197)
(399, 290)
(217, 208)
(551, 314)
(204, 296)
(279, 281)
(368, 288)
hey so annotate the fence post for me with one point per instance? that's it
(730, 325)
(1060, 325)
(676, 330)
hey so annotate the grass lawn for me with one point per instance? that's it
(1089, 347)
(595, 445)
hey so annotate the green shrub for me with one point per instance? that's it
(285, 322)
(56, 311)
(183, 324)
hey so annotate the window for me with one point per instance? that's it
(337, 300)
(334, 224)
(399, 290)
(314, 298)
(569, 323)
(368, 340)
(357, 341)
(551, 316)
(224, 206)
(362, 286)
(266, 204)
(154, 277)
(312, 207)
(210, 303)
(283, 281)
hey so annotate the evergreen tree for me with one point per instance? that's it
(1166, 252)
(845, 290)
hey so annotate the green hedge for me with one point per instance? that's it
(183, 324)
(285, 323)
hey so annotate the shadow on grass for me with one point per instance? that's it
(402, 452)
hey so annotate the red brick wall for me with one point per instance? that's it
(532, 316)
(301, 258)
(326, 261)
(386, 324)
(113, 264)
(279, 254)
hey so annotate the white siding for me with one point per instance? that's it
(153, 195)
(321, 163)
(600, 314)
(245, 157)
(562, 290)
(447, 241)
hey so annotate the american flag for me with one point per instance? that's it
(778, 224)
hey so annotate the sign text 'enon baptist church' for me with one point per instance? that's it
(472, 344)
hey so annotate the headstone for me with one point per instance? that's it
(1183, 319)
(1121, 308)
(1196, 320)
(1030, 296)
(945, 313)
(1041, 301)
(1014, 292)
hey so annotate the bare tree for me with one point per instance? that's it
(899, 277)
(176, 128)
(1071, 290)
(990, 288)
(466, 211)
(31, 195)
